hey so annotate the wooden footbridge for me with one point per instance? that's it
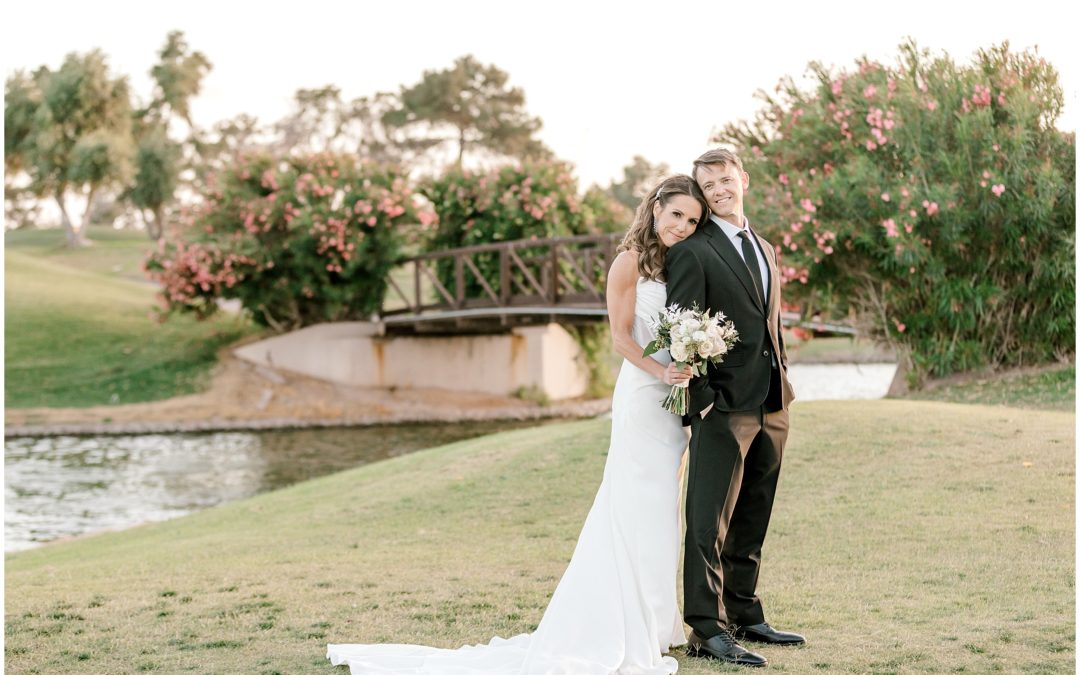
(495, 287)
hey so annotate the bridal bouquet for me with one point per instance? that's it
(693, 338)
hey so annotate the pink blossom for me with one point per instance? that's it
(997, 148)
(1001, 99)
(986, 174)
(931, 207)
(885, 197)
(964, 105)
(899, 326)
(783, 179)
(808, 205)
(931, 105)
(890, 228)
(870, 145)
(838, 86)
(913, 213)
(982, 183)
(870, 91)
(998, 189)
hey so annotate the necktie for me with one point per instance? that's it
(751, 259)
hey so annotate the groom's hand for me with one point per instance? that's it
(706, 410)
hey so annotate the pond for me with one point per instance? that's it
(66, 486)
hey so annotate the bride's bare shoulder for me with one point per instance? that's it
(626, 263)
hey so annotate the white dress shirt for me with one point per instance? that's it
(732, 231)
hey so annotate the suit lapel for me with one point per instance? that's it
(723, 246)
(774, 272)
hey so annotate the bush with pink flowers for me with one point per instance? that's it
(298, 240)
(531, 200)
(931, 202)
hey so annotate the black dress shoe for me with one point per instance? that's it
(724, 648)
(763, 632)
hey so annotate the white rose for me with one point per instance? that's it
(706, 348)
(679, 352)
(719, 347)
(699, 336)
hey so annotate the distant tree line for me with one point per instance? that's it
(80, 132)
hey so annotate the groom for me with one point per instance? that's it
(738, 417)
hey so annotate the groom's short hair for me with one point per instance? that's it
(721, 156)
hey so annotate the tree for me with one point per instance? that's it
(21, 100)
(472, 106)
(159, 159)
(933, 203)
(639, 176)
(157, 165)
(317, 123)
(179, 75)
(79, 136)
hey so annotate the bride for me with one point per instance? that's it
(615, 610)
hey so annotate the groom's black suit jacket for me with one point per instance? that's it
(706, 269)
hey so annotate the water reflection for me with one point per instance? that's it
(65, 486)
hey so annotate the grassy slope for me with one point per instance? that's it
(78, 332)
(907, 537)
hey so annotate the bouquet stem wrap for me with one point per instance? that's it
(678, 398)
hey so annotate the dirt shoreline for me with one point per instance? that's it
(245, 396)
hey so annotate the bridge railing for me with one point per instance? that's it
(559, 272)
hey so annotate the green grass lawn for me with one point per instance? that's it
(78, 332)
(117, 253)
(1051, 389)
(907, 537)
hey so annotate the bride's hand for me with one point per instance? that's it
(673, 375)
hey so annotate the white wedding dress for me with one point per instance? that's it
(615, 610)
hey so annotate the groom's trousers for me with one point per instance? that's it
(734, 464)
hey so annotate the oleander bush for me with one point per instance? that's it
(930, 201)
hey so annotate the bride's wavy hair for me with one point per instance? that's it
(642, 237)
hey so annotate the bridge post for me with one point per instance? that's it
(555, 273)
(459, 280)
(504, 277)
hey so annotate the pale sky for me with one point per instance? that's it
(608, 79)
